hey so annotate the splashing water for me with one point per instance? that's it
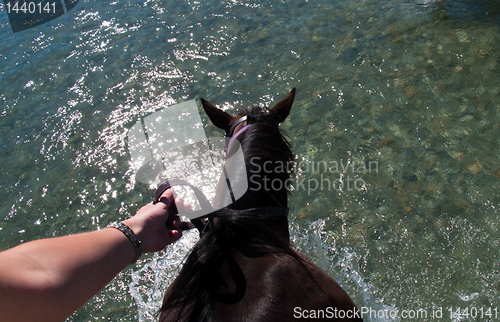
(340, 263)
(150, 282)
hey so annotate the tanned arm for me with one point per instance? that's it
(48, 279)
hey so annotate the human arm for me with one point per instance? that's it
(48, 279)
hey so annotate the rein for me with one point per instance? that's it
(204, 222)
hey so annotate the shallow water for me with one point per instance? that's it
(399, 100)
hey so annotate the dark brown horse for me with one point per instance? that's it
(243, 268)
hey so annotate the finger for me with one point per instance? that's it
(181, 204)
(167, 196)
(174, 207)
(170, 236)
(176, 222)
(175, 234)
(173, 222)
(187, 206)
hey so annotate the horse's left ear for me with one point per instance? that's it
(282, 108)
(218, 117)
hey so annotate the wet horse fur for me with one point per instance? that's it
(244, 269)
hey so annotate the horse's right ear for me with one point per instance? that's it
(283, 107)
(218, 117)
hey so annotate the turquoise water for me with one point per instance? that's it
(398, 99)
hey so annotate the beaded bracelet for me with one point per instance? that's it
(130, 235)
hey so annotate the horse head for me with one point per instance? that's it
(267, 154)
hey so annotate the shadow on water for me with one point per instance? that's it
(462, 12)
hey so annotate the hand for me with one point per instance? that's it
(150, 222)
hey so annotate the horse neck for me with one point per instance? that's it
(267, 174)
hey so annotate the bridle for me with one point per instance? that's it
(231, 137)
(208, 213)
(238, 122)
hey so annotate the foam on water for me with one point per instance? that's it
(150, 282)
(342, 264)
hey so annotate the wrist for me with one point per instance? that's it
(129, 233)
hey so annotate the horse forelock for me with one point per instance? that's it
(268, 159)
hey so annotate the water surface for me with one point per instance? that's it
(409, 87)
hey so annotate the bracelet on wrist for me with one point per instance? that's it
(130, 235)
